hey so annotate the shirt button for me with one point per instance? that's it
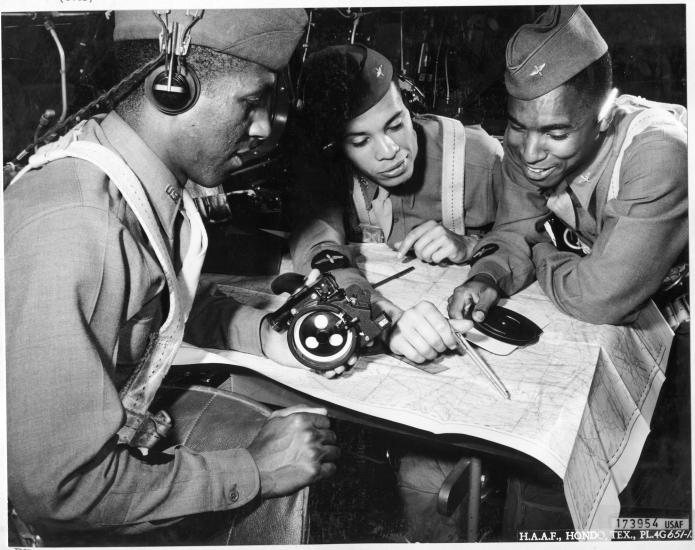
(233, 494)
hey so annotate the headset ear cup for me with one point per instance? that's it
(183, 93)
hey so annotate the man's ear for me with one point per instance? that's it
(605, 122)
(607, 112)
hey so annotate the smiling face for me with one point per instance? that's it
(381, 143)
(230, 116)
(550, 137)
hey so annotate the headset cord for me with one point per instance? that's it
(107, 99)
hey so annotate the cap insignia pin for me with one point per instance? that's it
(379, 71)
(538, 70)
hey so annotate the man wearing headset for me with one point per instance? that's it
(86, 291)
(613, 170)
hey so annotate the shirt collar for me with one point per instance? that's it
(161, 187)
(583, 187)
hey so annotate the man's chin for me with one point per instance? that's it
(538, 178)
(548, 183)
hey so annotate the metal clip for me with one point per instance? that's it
(162, 17)
(184, 40)
(144, 431)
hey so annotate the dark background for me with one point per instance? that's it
(647, 43)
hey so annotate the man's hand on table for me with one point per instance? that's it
(433, 243)
(421, 333)
(294, 448)
(474, 298)
(276, 347)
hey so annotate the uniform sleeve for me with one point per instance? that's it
(645, 229)
(72, 278)
(218, 321)
(318, 224)
(521, 206)
(483, 178)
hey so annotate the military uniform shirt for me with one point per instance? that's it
(83, 292)
(323, 223)
(635, 238)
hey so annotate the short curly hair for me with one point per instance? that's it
(327, 84)
(594, 82)
(315, 130)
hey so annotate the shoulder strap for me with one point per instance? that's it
(651, 112)
(139, 391)
(453, 168)
(560, 203)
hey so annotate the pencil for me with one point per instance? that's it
(394, 276)
(465, 346)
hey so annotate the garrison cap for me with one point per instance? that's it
(372, 74)
(264, 36)
(548, 52)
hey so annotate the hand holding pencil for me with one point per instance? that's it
(412, 336)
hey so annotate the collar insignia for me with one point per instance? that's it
(173, 193)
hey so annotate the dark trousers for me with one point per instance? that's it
(421, 474)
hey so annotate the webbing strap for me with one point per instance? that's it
(139, 391)
(195, 255)
(453, 168)
(654, 113)
(560, 203)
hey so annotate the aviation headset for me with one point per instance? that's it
(173, 86)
